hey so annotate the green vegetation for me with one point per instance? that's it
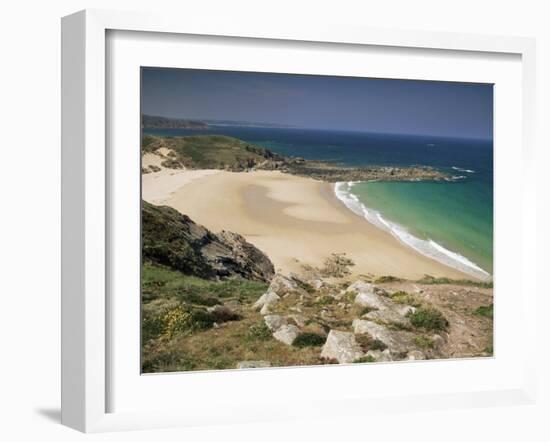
(423, 342)
(387, 278)
(428, 279)
(428, 318)
(485, 310)
(402, 297)
(376, 344)
(258, 332)
(210, 151)
(157, 281)
(336, 265)
(308, 339)
(325, 300)
(364, 359)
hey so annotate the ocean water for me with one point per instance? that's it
(450, 221)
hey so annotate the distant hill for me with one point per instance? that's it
(154, 122)
(228, 153)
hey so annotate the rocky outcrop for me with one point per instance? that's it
(397, 341)
(287, 334)
(342, 347)
(265, 301)
(172, 239)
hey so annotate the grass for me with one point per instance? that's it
(158, 281)
(364, 359)
(428, 318)
(325, 300)
(210, 151)
(387, 278)
(428, 279)
(258, 332)
(423, 342)
(485, 310)
(308, 339)
(402, 297)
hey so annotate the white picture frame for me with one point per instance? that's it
(86, 210)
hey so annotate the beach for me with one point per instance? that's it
(293, 220)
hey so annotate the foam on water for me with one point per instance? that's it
(463, 170)
(426, 247)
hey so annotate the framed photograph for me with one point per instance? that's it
(273, 222)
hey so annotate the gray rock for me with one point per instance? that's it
(281, 285)
(415, 355)
(380, 356)
(403, 310)
(287, 334)
(368, 295)
(274, 322)
(341, 346)
(253, 364)
(438, 341)
(267, 298)
(397, 341)
(299, 320)
(387, 316)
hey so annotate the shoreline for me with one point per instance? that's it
(428, 247)
(294, 220)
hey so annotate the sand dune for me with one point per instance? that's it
(294, 220)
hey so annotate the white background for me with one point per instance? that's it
(30, 219)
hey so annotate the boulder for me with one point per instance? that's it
(253, 364)
(341, 346)
(287, 334)
(415, 355)
(387, 316)
(267, 298)
(368, 295)
(299, 320)
(397, 341)
(223, 313)
(274, 322)
(282, 285)
(380, 356)
(403, 310)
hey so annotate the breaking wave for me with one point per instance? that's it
(426, 247)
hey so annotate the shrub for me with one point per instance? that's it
(428, 279)
(423, 342)
(363, 359)
(325, 300)
(428, 318)
(258, 332)
(485, 311)
(336, 265)
(387, 278)
(376, 344)
(308, 339)
(402, 297)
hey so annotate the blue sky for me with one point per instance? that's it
(323, 102)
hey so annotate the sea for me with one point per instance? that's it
(449, 221)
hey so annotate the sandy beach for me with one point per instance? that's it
(293, 220)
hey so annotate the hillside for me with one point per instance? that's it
(154, 122)
(228, 153)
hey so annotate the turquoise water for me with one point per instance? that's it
(450, 221)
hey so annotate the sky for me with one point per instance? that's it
(463, 110)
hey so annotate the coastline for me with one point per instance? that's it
(426, 247)
(294, 220)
